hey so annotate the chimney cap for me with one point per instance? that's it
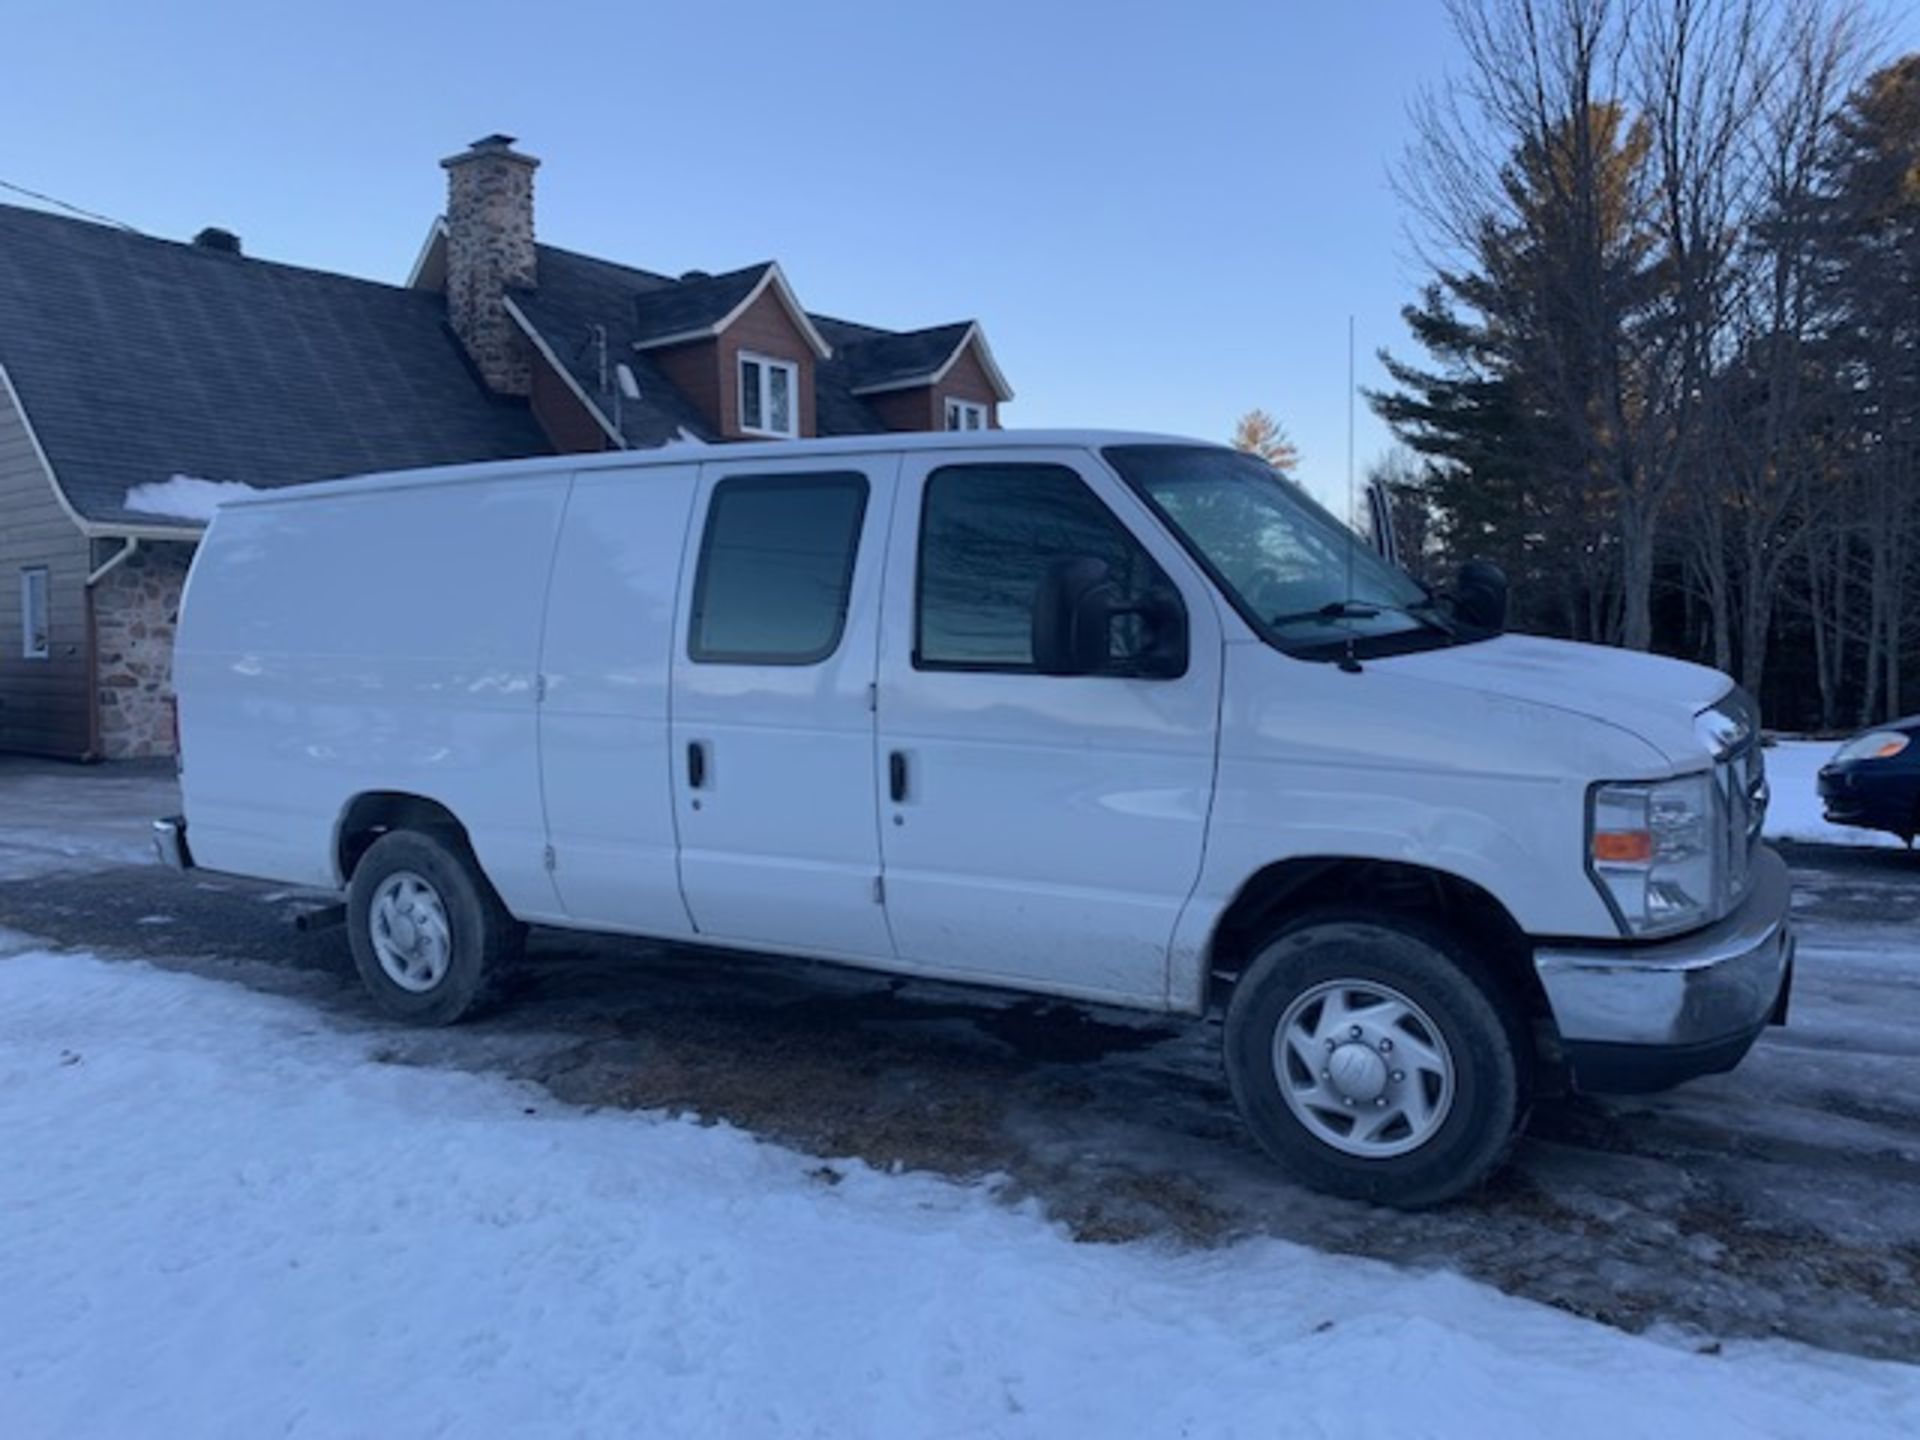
(497, 146)
(214, 238)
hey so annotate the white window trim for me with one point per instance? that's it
(29, 649)
(766, 364)
(955, 403)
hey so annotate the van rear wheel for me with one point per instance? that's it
(1374, 1059)
(428, 933)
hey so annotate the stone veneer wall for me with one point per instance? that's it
(135, 609)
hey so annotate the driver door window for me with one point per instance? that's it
(989, 534)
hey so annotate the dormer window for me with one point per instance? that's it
(769, 396)
(966, 415)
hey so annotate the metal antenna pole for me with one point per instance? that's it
(1351, 497)
(1349, 663)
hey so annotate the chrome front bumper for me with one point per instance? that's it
(170, 842)
(1643, 1017)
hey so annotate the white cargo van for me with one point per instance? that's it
(1110, 716)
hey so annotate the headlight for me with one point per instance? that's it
(1650, 847)
(1729, 725)
(1874, 745)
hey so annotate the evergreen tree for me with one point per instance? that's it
(1533, 406)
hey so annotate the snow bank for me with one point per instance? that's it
(1793, 768)
(223, 1218)
(184, 497)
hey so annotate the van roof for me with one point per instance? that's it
(731, 453)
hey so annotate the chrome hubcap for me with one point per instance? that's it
(1363, 1068)
(407, 923)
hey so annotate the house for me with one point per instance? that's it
(134, 369)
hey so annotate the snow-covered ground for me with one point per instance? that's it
(227, 1212)
(1795, 814)
(221, 1216)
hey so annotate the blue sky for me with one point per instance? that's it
(1163, 214)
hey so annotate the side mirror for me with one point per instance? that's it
(1073, 631)
(1380, 522)
(1480, 595)
(1073, 618)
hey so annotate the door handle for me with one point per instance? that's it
(696, 764)
(897, 776)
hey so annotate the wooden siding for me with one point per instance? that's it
(44, 707)
(910, 409)
(764, 328)
(708, 371)
(695, 369)
(924, 407)
(570, 428)
(967, 380)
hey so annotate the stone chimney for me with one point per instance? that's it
(490, 251)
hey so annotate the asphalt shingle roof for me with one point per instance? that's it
(898, 357)
(139, 359)
(696, 303)
(577, 296)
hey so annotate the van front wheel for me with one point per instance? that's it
(427, 931)
(1374, 1060)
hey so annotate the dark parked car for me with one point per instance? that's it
(1873, 780)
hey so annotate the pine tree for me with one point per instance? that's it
(1531, 407)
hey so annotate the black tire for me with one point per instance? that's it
(1483, 1035)
(483, 939)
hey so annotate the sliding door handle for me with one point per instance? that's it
(897, 776)
(696, 764)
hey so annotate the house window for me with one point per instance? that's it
(965, 415)
(36, 643)
(769, 396)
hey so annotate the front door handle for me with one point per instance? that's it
(897, 776)
(696, 764)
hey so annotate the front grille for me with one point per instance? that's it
(1731, 732)
(1740, 785)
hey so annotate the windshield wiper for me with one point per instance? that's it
(1425, 612)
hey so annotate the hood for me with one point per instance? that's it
(1650, 695)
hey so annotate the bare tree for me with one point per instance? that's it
(1626, 197)
(1750, 98)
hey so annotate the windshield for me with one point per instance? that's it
(1301, 577)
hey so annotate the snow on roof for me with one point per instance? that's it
(185, 497)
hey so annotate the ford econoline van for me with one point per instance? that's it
(1117, 717)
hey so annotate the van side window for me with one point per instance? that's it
(988, 536)
(776, 565)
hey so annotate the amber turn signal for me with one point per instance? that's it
(1623, 847)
